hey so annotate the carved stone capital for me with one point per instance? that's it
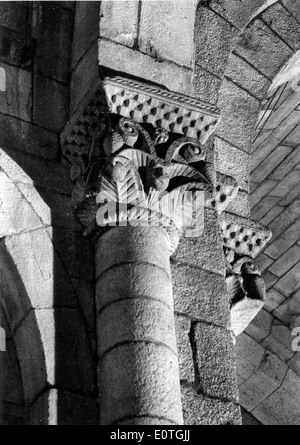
(137, 156)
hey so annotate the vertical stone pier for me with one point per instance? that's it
(138, 364)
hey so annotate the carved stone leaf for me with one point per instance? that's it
(185, 171)
(131, 189)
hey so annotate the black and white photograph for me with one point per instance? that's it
(150, 215)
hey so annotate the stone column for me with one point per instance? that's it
(138, 364)
(141, 183)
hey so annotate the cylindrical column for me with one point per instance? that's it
(138, 366)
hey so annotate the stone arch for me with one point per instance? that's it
(44, 321)
(25, 328)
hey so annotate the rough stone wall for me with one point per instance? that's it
(39, 65)
(205, 345)
(43, 240)
(239, 79)
(275, 201)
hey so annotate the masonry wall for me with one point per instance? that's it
(35, 51)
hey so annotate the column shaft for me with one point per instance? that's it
(138, 365)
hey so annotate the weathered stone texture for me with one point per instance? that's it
(214, 362)
(54, 36)
(119, 21)
(126, 60)
(200, 294)
(213, 36)
(185, 353)
(200, 410)
(50, 104)
(239, 111)
(158, 36)
(86, 28)
(257, 41)
(242, 12)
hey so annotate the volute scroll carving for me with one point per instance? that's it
(145, 167)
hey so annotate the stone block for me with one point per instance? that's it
(16, 100)
(260, 326)
(144, 245)
(200, 295)
(279, 115)
(75, 253)
(284, 24)
(120, 20)
(288, 165)
(286, 261)
(44, 278)
(270, 163)
(56, 407)
(206, 85)
(263, 207)
(67, 349)
(54, 41)
(62, 214)
(215, 365)
(213, 36)
(185, 353)
(294, 363)
(262, 190)
(29, 344)
(14, 15)
(135, 320)
(249, 349)
(283, 406)
(284, 221)
(159, 31)
(274, 299)
(271, 215)
(206, 251)
(242, 12)
(16, 214)
(34, 199)
(275, 139)
(16, 48)
(86, 28)
(291, 196)
(123, 59)
(289, 283)
(256, 389)
(155, 385)
(289, 237)
(244, 75)
(201, 410)
(238, 116)
(273, 367)
(240, 205)
(233, 162)
(293, 7)
(244, 368)
(133, 281)
(22, 136)
(257, 41)
(249, 419)
(84, 76)
(50, 103)
(270, 279)
(260, 139)
(263, 261)
(279, 341)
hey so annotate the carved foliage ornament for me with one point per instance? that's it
(246, 289)
(146, 166)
